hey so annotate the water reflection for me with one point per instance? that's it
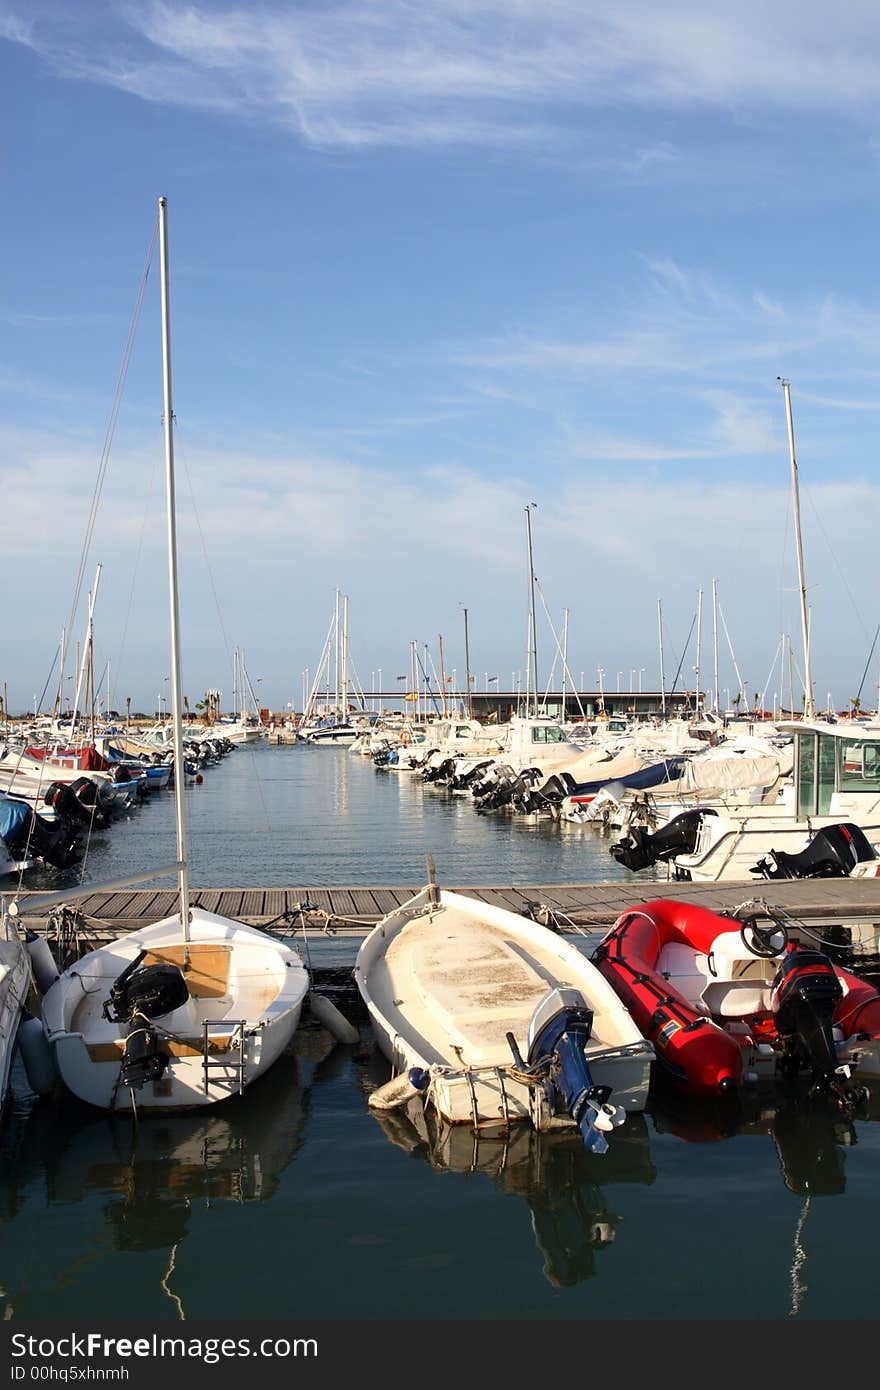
(149, 1177)
(810, 1133)
(811, 1136)
(553, 1172)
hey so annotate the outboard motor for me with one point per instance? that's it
(64, 801)
(833, 852)
(558, 1035)
(639, 848)
(141, 994)
(803, 997)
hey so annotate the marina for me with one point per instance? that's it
(393, 1215)
(503, 949)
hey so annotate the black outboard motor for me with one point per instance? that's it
(441, 773)
(803, 997)
(141, 994)
(639, 848)
(833, 852)
(71, 808)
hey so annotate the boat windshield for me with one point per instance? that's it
(547, 733)
(859, 766)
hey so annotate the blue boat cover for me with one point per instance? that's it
(14, 816)
(665, 771)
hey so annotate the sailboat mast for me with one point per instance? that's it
(699, 645)
(715, 637)
(336, 662)
(662, 672)
(467, 668)
(564, 660)
(345, 659)
(533, 633)
(796, 501)
(174, 600)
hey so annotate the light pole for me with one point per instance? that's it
(619, 674)
(601, 673)
(641, 673)
(632, 676)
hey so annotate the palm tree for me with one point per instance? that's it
(208, 707)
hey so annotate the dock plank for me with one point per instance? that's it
(588, 904)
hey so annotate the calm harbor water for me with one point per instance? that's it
(297, 1203)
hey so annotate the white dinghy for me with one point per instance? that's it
(494, 1019)
(190, 1010)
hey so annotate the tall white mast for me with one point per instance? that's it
(662, 674)
(345, 659)
(336, 658)
(564, 659)
(699, 644)
(174, 601)
(532, 682)
(809, 710)
(467, 667)
(715, 637)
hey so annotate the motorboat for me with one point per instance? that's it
(732, 1001)
(836, 779)
(495, 1019)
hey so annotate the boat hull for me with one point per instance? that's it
(246, 992)
(445, 984)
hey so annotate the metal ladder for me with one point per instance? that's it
(232, 1057)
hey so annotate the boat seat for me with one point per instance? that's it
(206, 976)
(736, 998)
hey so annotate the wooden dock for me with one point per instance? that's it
(354, 910)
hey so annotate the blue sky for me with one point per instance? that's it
(431, 262)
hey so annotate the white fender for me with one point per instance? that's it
(36, 1055)
(399, 1090)
(335, 1022)
(43, 965)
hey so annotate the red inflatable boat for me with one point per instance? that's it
(727, 1001)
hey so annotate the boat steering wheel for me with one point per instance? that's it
(765, 941)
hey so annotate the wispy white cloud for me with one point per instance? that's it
(425, 541)
(488, 72)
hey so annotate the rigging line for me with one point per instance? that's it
(778, 654)
(867, 664)
(198, 521)
(137, 561)
(837, 563)
(185, 462)
(683, 654)
(566, 667)
(428, 691)
(742, 689)
(105, 452)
